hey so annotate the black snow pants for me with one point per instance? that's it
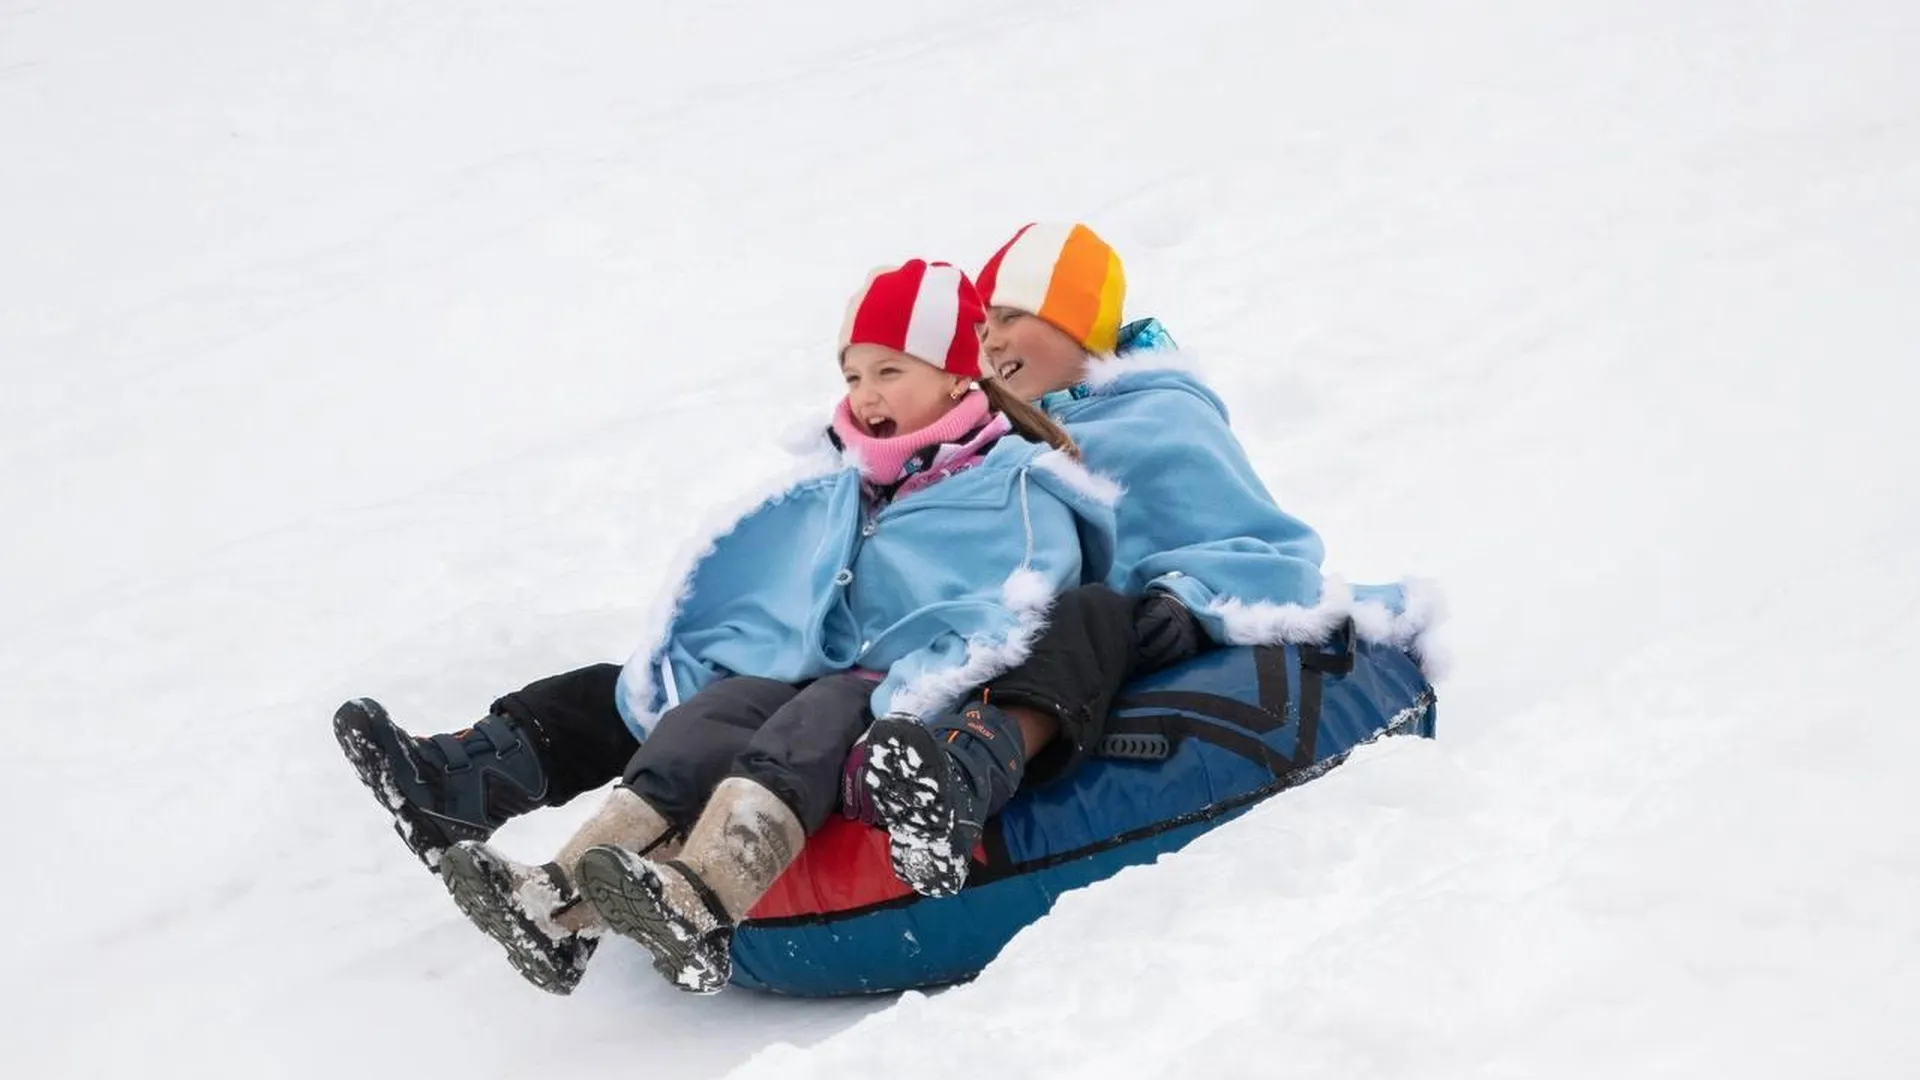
(790, 739)
(794, 740)
(1073, 673)
(582, 740)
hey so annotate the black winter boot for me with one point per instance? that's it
(934, 785)
(446, 788)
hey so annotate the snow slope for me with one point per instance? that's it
(389, 349)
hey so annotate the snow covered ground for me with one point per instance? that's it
(389, 348)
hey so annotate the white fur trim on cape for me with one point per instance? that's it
(816, 460)
(1103, 369)
(1093, 485)
(1413, 629)
(1378, 623)
(810, 441)
(1266, 623)
(1026, 593)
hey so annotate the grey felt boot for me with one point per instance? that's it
(684, 910)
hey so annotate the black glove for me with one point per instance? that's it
(1164, 631)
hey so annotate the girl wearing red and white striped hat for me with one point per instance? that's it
(910, 356)
(849, 594)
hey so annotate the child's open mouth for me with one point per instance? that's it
(1005, 372)
(881, 429)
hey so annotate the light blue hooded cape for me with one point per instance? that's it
(941, 589)
(1196, 520)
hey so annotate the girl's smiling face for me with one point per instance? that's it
(891, 394)
(1028, 354)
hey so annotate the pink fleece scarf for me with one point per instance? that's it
(884, 461)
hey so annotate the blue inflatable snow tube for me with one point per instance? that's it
(1187, 749)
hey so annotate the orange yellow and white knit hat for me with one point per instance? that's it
(1066, 275)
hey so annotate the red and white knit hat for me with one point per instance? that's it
(926, 310)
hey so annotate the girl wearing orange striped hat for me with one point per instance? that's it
(1058, 290)
(1204, 553)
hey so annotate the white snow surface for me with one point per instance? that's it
(392, 349)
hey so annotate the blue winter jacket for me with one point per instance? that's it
(941, 589)
(1196, 520)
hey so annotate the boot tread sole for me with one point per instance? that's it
(912, 790)
(633, 902)
(480, 887)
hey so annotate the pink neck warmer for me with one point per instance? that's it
(883, 460)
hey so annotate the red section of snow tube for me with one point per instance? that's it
(844, 867)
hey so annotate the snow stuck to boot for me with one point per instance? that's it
(913, 792)
(445, 788)
(532, 911)
(657, 905)
(933, 786)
